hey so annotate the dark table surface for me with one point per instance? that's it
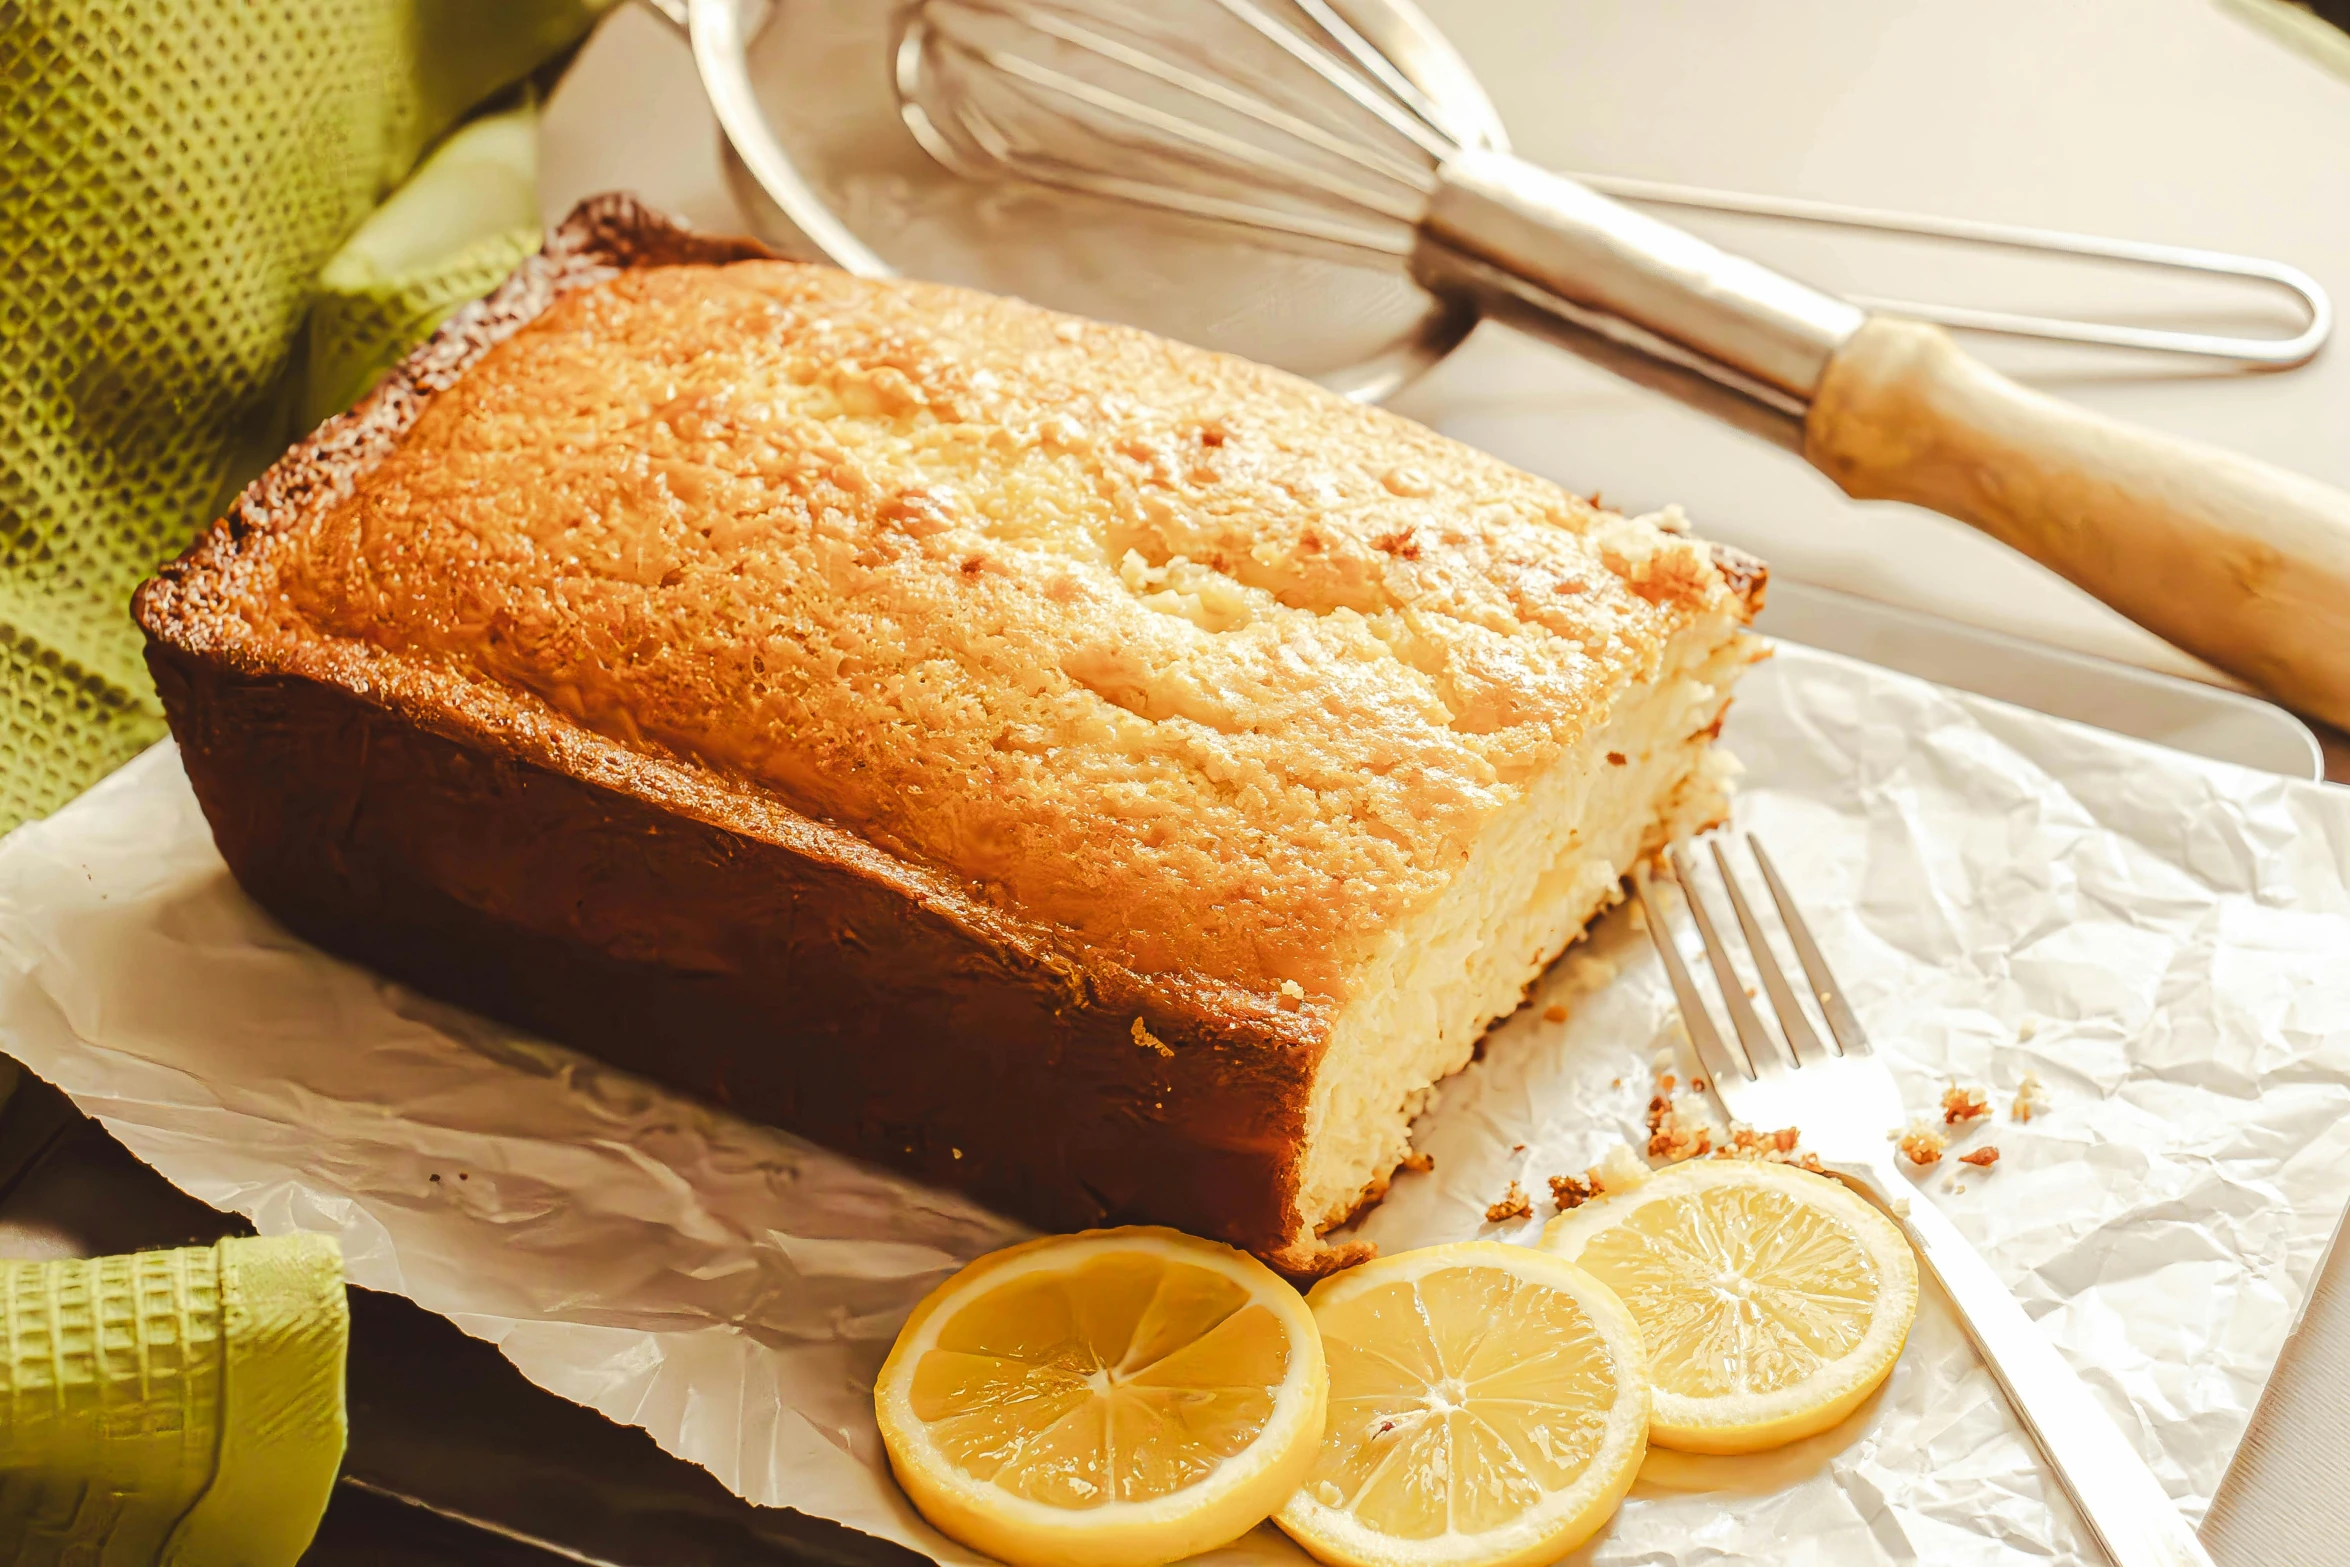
(454, 1458)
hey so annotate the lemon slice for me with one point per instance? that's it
(1487, 1407)
(1120, 1398)
(1772, 1300)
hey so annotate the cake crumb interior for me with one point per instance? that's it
(1545, 868)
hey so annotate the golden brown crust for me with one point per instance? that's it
(1746, 576)
(466, 693)
(1113, 631)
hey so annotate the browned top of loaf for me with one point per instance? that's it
(1216, 669)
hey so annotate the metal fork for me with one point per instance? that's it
(1845, 1103)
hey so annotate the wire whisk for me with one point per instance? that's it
(1291, 122)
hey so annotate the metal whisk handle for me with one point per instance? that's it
(1743, 325)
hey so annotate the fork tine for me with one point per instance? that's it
(1761, 1048)
(1713, 1052)
(1841, 1022)
(1804, 1043)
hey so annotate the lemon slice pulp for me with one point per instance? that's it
(1772, 1301)
(1120, 1398)
(1487, 1406)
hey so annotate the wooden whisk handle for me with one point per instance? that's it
(2239, 563)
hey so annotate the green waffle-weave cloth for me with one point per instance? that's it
(197, 254)
(172, 1408)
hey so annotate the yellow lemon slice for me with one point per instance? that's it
(1120, 1398)
(1772, 1300)
(1487, 1407)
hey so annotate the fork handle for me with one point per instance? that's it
(2125, 1507)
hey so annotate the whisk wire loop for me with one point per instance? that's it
(1398, 112)
(1173, 124)
(1351, 149)
(1204, 138)
(1434, 133)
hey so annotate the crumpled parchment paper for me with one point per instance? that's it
(2165, 942)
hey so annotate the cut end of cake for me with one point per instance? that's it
(1538, 876)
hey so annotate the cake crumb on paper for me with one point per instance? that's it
(1422, 1162)
(1745, 1139)
(1619, 1170)
(1981, 1158)
(1677, 1131)
(1964, 1104)
(1514, 1204)
(1556, 1012)
(1923, 1142)
(1777, 1147)
(1569, 1193)
(1674, 1134)
(2029, 1101)
(1591, 972)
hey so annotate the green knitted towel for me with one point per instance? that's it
(177, 178)
(172, 1408)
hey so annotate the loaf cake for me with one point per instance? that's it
(1113, 779)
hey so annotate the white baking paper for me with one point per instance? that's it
(2164, 941)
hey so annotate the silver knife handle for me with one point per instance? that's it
(2125, 1507)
